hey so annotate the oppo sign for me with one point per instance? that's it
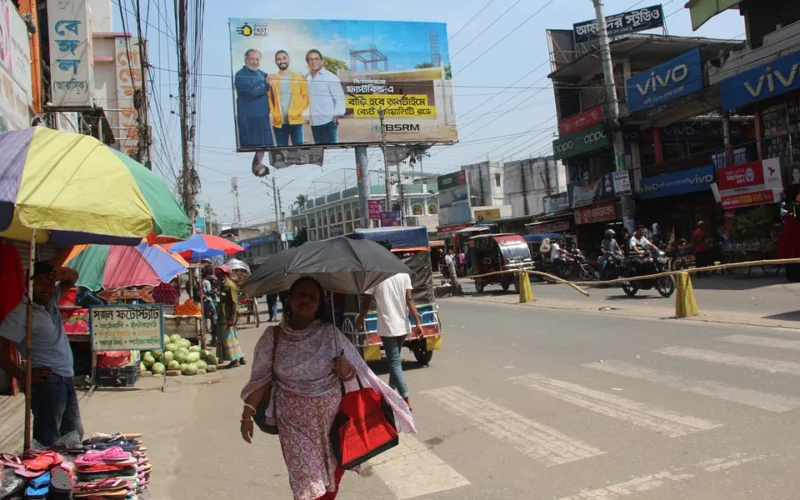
(581, 142)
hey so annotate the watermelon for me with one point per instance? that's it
(191, 369)
(204, 355)
(201, 365)
(168, 356)
(172, 347)
(182, 367)
(184, 343)
(158, 368)
(173, 365)
(175, 338)
(195, 348)
(181, 354)
(193, 357)
(148, 360)
(211, 368)
(157, 354)
(211, 359)
(142, 367)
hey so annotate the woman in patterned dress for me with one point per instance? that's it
(311, 359)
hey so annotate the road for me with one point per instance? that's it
(521, 403)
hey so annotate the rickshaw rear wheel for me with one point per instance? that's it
(423, 356)
(479, 286)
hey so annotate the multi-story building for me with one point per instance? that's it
(528, 182)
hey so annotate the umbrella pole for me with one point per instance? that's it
(28, 335)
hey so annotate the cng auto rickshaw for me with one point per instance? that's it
(499, 252)
(411, 245)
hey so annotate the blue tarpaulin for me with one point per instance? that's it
(399, 237)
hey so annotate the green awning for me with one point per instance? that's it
(703, 10)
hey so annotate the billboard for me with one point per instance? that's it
(770, 79)
(642, 19)
(675, 78)
(685, 181)
(71, 71)
(300, 82)
(454, 204)
(586, 140)
(15, 69)
(755, 183)
(128, 67)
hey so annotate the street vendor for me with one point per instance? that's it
(228, 346)
(53, 398)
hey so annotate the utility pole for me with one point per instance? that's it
(183, 76)
(387, 172)
(277, 206)
(237, 212)
(362, 175)
(402, 197)
(140, 100)
(612, 108)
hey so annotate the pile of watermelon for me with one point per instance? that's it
(179, 357)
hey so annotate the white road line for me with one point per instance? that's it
(761, 400)
(763, 364)
(411, 470)
(793, 345)
(538, 441)
(649, 482)
(656, 419)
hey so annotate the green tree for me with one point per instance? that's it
(448, 72)
(300, 201)
(333, 65)
(424, 65)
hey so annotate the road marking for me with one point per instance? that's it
(749, 397)
(793, 345)
(763, 364)
(538, 441)
(656, 419)
(411, 470)
(649, 482)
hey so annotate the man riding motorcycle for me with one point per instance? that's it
(639, 247)
(610, 248)
(558, 257)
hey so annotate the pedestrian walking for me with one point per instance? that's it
(228, 346)
(394, 300)
(310, 359)
(272, 306)
(700, 248)
(462, 263)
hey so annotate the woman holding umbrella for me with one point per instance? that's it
(227, 307)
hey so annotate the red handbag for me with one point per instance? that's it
(363, 428)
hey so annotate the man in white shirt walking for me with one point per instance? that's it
(326, 100)
(394, 300)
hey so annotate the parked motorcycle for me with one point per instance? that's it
(650, 264)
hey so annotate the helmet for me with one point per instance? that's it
(610, 233)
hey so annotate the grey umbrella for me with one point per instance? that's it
(340, 265)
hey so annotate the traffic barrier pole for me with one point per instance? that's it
(525, 291)
(685, 303)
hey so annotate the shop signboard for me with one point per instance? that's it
(454, 203)
(589, 139)
(601, 212)
(391, 219)
(556, 202)
(740, 200)
(677, 77)
(585, 195)
(129, 79)
(126, 328)
(632, 21)
(685, 181)
(487, 214)
(696, 130)
(754, 183)
(72, 74)
(622, 183)
(352, 82)
(553, 227)
(768, 80)
(145, 294)
(573, 124)
(607, 187)
(446, 230)
(15, 69)
(375, 208)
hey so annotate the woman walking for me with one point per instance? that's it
(227, 308)
(312, 359)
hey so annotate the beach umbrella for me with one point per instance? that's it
(341, 265)
(203, 246)
(117, 266)
(72, 189)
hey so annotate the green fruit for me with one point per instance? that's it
(172, 347)
(194, 348)
(175, 338)
(211, 359)
(182, 366)
(142, 367)
(158, 368)
(193, 357)
(204, 355)
(201, 365)
(181, 355)
(211, 368)
(157, 354)
(168, 356)
(184, 343)
(190, 369)
(174, 365)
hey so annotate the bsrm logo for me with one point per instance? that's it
(401, 127)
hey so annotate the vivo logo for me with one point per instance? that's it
(656, 82)
(702, 179)
(769, 78)
(697, 179)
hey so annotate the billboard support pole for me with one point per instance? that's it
(362, 174)
(612, 108)
(402, 197)
(387, 172)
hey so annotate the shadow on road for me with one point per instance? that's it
(789, 316)
(382, 367)
(757, 279)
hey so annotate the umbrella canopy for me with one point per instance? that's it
(117, 266)
(238, 265)
(340, 265)
(203, 246)
(74, 189)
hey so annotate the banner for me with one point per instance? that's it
(391, 219)
(556, 202)
(597, 213)
(126, 328)
(581, 121)
(327, 83)
(447, 230)
(129, 79)
(487, 214)
(685, 181)
(632, 21)
(586, 140)
(768, 80)
(553, 227)
(375, 208)
(454, 203)
(15, 69)
(675, 78)
(755, 183)
(71, 71)
(585, 195)
(622, 183)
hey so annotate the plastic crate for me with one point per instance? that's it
(117, 377)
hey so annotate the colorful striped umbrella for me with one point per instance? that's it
(117, 266)
(203, 246)
(73, 189)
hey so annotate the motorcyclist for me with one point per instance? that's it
(639, 246)
(610, 248)
(558, 256)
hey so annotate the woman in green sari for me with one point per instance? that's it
(228, 347)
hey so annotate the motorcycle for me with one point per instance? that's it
(651, 264)
(578, 262)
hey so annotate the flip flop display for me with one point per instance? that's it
(11, 485)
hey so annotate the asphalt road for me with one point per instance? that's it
(522, 403)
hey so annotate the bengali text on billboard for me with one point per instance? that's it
(326, 83)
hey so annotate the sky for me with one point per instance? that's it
(500, 61)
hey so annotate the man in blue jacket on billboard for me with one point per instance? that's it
(252, 103)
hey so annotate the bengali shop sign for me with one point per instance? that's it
(556, 202)
(596, 213)
(585, 195)
(71, 61)
(750, 199)
(632, 21)
(754, 183)
(581, 121)
(553, 227)
(15, 69)
(126, 328)
(129, 79)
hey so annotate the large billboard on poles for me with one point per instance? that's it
(325, 83)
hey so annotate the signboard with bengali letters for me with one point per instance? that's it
(632, 21)
(15, 69)
(126, 328)
(129, 79)
(588, 118)
(71, 61)
(596, 213)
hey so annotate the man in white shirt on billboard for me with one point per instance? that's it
(326, 100)
(394, 300)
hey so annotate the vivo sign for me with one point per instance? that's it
(675, 78)
(686, 181)
(763, 82)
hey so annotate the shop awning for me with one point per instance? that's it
(703, 10)
(437, 244)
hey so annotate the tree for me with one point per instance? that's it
(424, 65)
(300, 201)
(333, 65)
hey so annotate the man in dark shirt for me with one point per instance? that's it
(252, 103)
(700, 248)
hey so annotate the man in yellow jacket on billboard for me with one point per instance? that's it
(288, 98)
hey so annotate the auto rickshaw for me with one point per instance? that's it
(499, 252)
(411, 245)
(248, 307)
